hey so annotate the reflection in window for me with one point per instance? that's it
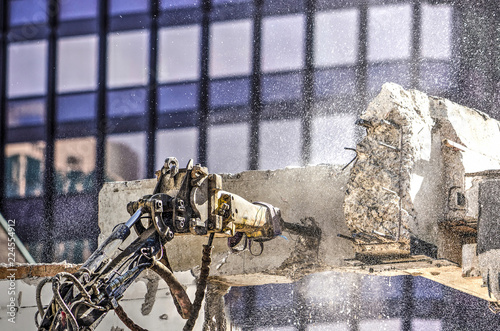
(336, 37)
(217, 2)
(283, 43)
(26, 112)
(178, 97)
(276, 88)
(389, 32)
(128, 6)
(174, 4)
(28, 11)
(274, 295)
(380, 324)
(230, 48)
(77, 9)
(228, 147)
(279, 144)
(424, 288)
(378, 74)
(378, 289)
(77, 63)
(334, 82)
(24, 166)
(436, 31)
(330, 287)
(277, 328)
(27, 68)
(330, 134)
(179, 53)
(180, 143)
(73, 251)
(128, 58)
(337, 326)
(233, 92)
(78, 107)
(74, 162)
(124, 103)
(435, 77)
(125, 156)
(425, 325)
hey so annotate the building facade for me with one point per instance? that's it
(92, 90)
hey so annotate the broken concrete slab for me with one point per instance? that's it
(308, 196)
(409, 178)
(488, 237)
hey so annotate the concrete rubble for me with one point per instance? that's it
(410, 176)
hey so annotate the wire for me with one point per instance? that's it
(39, 298)
(56, 285)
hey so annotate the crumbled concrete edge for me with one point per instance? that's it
(410, 172)
(378, 200)
(26, 271)
(489, 265)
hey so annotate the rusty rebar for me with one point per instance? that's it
(122, 315)
(201, 286)
(178, 293)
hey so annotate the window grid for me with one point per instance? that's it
(205, 14)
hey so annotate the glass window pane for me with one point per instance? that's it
(335, 326)
(379, 289)
(29, 217)
(427, 289)
(79, 107)
(77, 63)
(128, 58)
(26, 112)
(283, 43)
(419, 324)
(24, 166)
(228, 148)
(27, 68)
(180, 143)
(436, 31)
(178, 97)
(385, 324)
(277, 88)
(128, 6)
(179, 53)
(77, 9)
(74, 161)
(231, 48)
(126, 103)
(28, 11)
(126, 157)
(378, 74)
(218, 2)
(336, 37)
(229, 92)
(330, 134)
(172, 4)
(389, 32)
(334, 82)
(279, 144)
(436, 77)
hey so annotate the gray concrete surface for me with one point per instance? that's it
(315, 192)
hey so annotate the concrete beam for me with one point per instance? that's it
(309, 196)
